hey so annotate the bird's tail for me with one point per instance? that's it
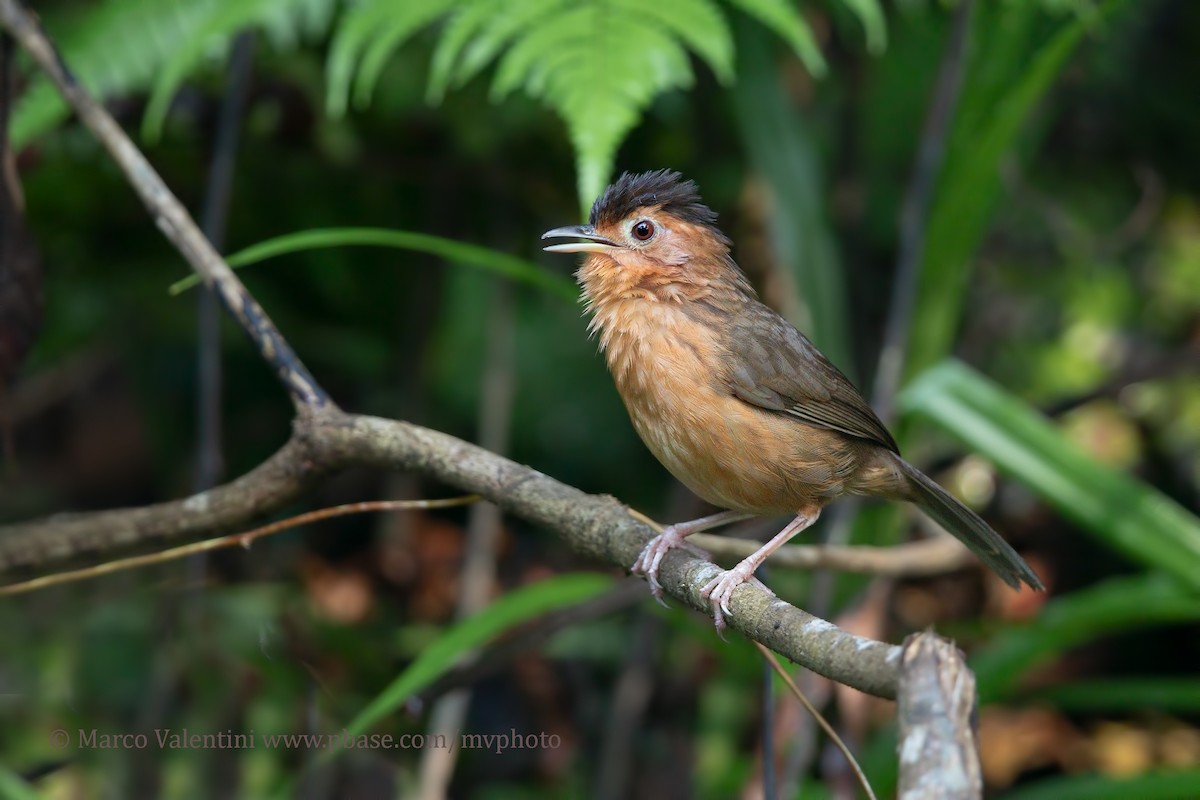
(969, 528)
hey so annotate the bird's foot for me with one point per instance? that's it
(719, 591)
(652, 555)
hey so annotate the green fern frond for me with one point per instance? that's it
(414, 17)
(870, 15)
(598, 63)
(599, 68)
(116, 48)
(478, 33)
(124, 46)
(781, 17)
(699, 24)
(212, 34)
(370, 32)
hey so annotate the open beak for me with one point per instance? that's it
(594, 243)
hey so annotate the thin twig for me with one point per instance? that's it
(170, 215)
(922, 558)
(816, 715)
(232, 540)
(770, 777)
(210, 460)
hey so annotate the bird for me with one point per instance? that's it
(730, 397)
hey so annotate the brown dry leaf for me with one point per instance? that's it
(1015, 741)
(1180, 747)
(1121, 749)
(437, 549)
(343, 595)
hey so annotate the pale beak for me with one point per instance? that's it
(594, 243)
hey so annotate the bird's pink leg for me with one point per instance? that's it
(671, 537)
(719, 590)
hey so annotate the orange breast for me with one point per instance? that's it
(669, 371)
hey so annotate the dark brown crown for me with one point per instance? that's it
(662, 187)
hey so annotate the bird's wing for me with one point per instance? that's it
(776, 367)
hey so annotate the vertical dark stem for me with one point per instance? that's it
(769, 779)
(914, 214)
(213, 222)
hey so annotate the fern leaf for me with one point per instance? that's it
(402, 24)
(353, 33)
(870, 14)
(477, 34)
(212, 32)
(599, 70)
(372, 29)
(116, 48)
(698, 23)
(782, 18)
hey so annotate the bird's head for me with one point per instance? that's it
(649, 234)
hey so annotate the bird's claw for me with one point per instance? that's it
(652, 554)
(719, 591)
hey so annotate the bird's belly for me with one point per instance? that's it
(732, 454)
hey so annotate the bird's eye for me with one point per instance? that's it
(642, 230)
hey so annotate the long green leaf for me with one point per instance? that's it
(510, 610)
(1181, 784)
(1003, 87)
(511, 267)
(781, 146)
(13, 788)
(1119, 511)
(1174, 695)
(870, 14)
(1116, 605)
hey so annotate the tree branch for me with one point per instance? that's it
(596, 526)
(939, 757)
(283, 478)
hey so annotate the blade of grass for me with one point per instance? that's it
(517, 269)
(1119, 511)
(1115, 605)
(783, 150)
(507, 612)
(12, 787)
(1181, 784)
(1174, 695)
(1006, 81)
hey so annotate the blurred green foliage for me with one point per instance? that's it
(1062, 262)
